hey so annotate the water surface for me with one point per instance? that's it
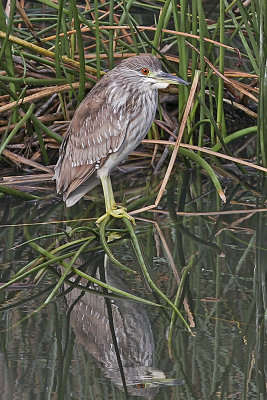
(66, 349)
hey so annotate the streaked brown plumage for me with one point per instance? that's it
(108, 125)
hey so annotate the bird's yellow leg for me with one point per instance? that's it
(111, 207)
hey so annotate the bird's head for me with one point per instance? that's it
(145, 72)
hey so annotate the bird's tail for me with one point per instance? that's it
(81, 190)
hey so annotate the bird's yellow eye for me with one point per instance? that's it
(145, 71)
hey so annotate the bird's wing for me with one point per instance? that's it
(96, 130)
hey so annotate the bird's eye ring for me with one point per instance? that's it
(145, 71)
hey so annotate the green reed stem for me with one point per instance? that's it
(7, 51)
(158, 32)
(81, 94)
(31, 265)
(251, 32)
(21, 276)
(194, 41)
(234, 136)
(113, 289)
(179, 24)
(58, 46)
(262, 121)
(202, 25)
(200, 161)
(129, 22)
(41, 143)
(45, 129)
(125, 11)
(142, 263)
(34, 81)
(66, 271)
(239, 25)
(102, 232)
(17, 128)
(178, 298)
(97, 39)
(18, 193)
(220, 113)
(111, 34)
(5, 44)
(51, 4)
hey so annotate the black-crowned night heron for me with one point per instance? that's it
(109, 124)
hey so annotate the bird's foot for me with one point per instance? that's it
(121, 212)
(116, 212)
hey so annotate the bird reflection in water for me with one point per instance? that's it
(90, 321)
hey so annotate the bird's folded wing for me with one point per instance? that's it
(96, 130)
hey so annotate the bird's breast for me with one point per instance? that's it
(140, 112)
(142, 109)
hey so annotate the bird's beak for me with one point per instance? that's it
(170, 79)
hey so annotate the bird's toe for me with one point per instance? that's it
(117, 212)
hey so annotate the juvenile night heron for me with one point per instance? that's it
(109, 124)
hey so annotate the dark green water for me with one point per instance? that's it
(65, 351)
